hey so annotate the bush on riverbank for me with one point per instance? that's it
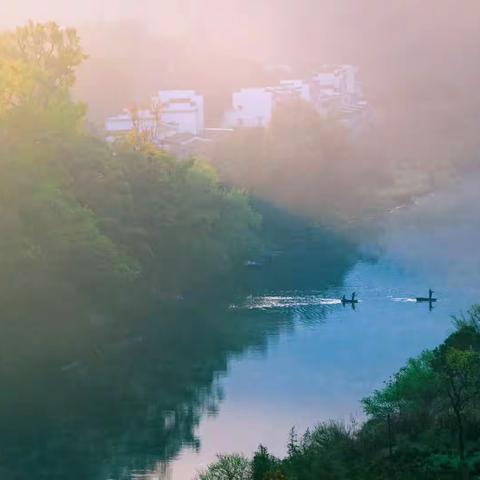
(424, 424)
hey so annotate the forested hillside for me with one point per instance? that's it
(80, 218)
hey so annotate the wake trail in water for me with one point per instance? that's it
(403, 299)
(267, 302)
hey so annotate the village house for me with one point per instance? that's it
(288, 90)
(182, 109)
(172, 112)
(143, 121)
(335, 87)
(251, 107)
(334, 91)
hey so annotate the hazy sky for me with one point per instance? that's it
(245, 25)
(14, 12)
(417, 58)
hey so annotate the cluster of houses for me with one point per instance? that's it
(175, 119)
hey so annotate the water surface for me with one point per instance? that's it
(85, 396)
(331, 356)
(326, 361)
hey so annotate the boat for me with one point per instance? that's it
(352, 300)
(429, 299)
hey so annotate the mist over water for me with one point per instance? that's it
(440, 235)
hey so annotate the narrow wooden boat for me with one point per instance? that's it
(429, 299)
(352, 300)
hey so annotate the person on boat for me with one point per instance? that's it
(430, 293)
(352, 300)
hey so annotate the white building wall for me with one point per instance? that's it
(326, 80)
(124, 123)
(251, 107)
(119, 123)
(350, 79)
(335, 87)
(293, 89)
(339, 77)
(182, 108)
(178, 111)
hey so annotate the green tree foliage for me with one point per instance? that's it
(432, 404)
(456, 365)
(37, 70)
(472, 319)
(74, 211)
(264, 465)
(228, 467)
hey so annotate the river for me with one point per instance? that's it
(160, 398)
(333, 356)
(328, 360)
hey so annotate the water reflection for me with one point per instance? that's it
(326, 362)
(87, 396)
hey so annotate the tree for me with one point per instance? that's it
(408, 391)
(293, 444)
(40, 59)
(471, 319)
(457, 366)
(435, 389)
(37, 70)
(264, 465)
(228, 467)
